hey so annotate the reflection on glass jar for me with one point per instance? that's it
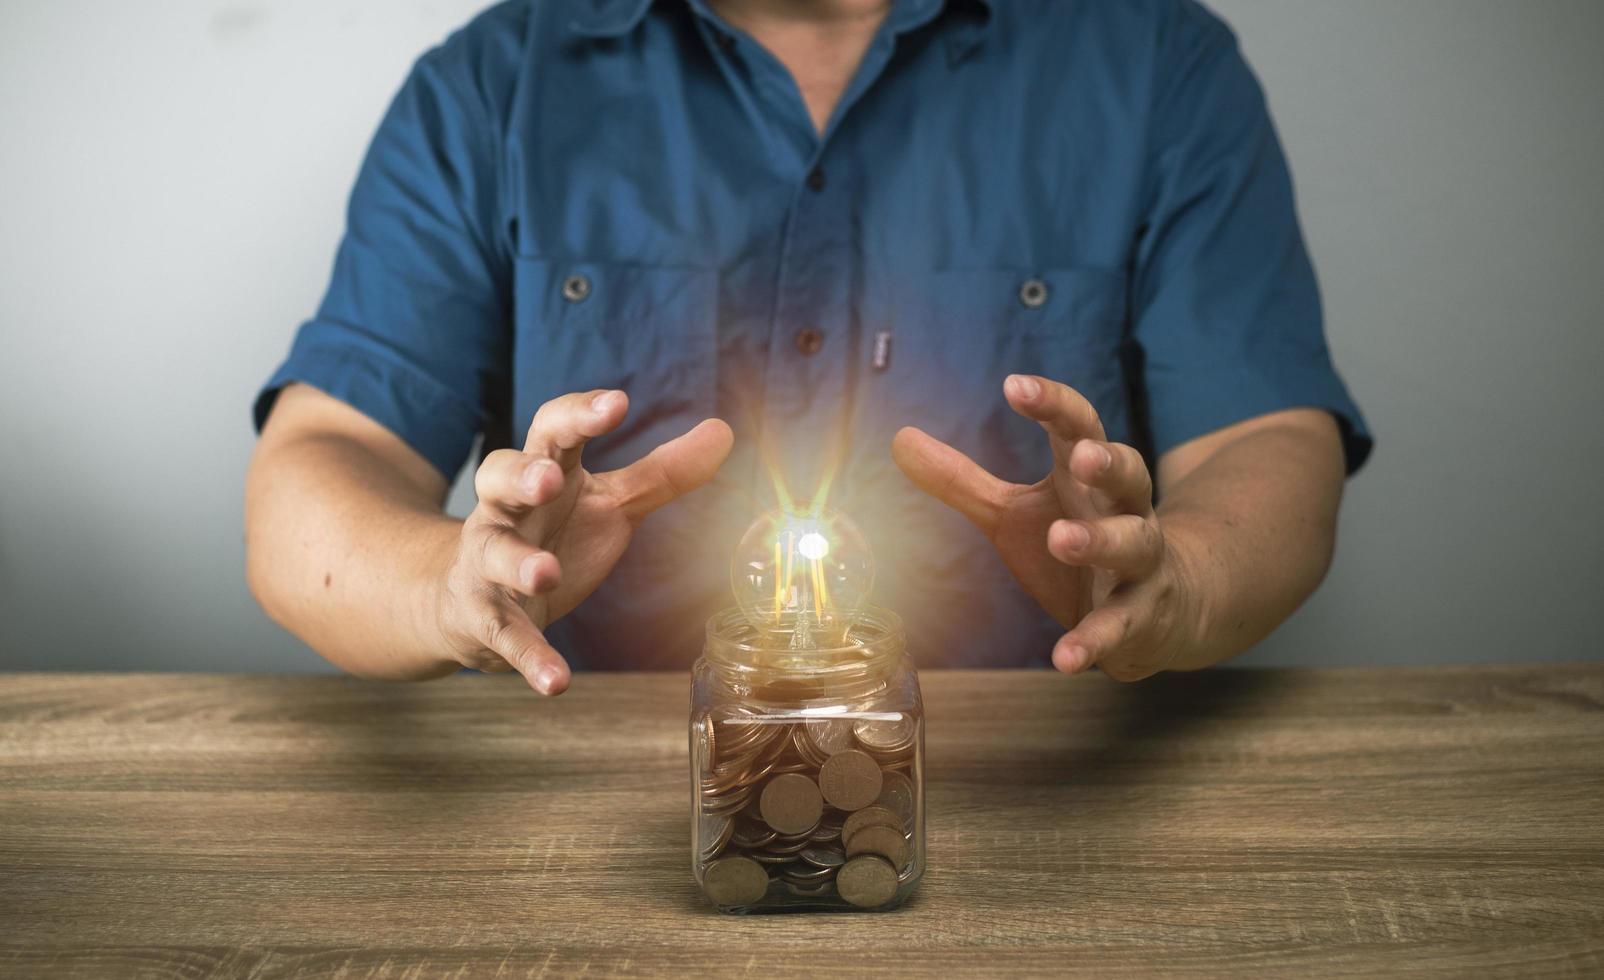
(807, 768)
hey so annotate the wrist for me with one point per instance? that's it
(427, 608)
(1197, 583)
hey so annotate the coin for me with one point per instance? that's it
(822, 888)
(729, 802)
(804, 875)
(896, 795)
(805, 749)
(866, 881)
(887, 842)
(830, 737)
(791, 804)
(850, 780)
(870, 816)
(708, 741)
(782, 846)
(886, 735)
(750, 834)
(713, 834)
(735, 881)
(824, 857)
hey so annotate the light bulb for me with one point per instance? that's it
(802, 577)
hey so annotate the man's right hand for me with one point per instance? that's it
(546, 532)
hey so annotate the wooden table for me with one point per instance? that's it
(1446, 822)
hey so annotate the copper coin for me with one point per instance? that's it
(850, 780)
(870, 816)
(896, 795)
(867, 881)
(887, 842)
(887, 735)
(735, 881)
(791, 803)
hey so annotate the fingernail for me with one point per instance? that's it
(601, 402)
(1077, 536)
(546, 680)
(1024, 387)
(1105, 459)
(1081, 657)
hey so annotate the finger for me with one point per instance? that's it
(514, 482)
(1062, 411)
(950, 477)
(508, 633)
(563, 425)
(1127, 545)
(1095, 639)
(1115, 638)
(1116, 471)
(509, 561)
(673, 469)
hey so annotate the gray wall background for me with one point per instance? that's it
(173, 186)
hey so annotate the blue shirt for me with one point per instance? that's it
(617, 193)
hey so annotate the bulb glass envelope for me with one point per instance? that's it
(802, 571)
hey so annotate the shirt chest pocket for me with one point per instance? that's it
(651, 331)
(962, 331)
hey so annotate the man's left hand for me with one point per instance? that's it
(1084, 541)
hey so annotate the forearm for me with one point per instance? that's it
(347, 553)
(1253, 525)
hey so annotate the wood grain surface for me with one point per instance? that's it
(1394, 822)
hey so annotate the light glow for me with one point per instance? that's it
(813, 546)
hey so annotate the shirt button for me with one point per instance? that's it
(809, 340)
(1033, 293)
(576, 288)
(816, 179)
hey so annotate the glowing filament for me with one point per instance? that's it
(790, 567)
(813, 546)
(778, 562)
(818, 589)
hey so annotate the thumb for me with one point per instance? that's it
(950, 477)
(673, 469)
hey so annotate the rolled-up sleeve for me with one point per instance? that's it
(1226, 309)
(413, 329)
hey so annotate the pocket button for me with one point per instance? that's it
(1033, 293)
(809, 340)
(576, 288)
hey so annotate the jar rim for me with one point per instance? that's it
(733, 642)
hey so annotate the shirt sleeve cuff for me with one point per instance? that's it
(1203, 401)
(416, 407)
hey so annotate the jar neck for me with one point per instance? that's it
(761, 666)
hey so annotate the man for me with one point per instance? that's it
(967, 265)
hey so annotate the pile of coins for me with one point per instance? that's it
(823, 806)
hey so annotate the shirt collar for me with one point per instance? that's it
(615, 18)
(606, 18)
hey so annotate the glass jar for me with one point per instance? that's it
(807, 769)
